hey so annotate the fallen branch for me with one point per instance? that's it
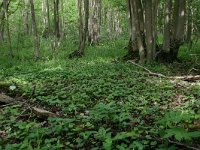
(189, 78)
(183, 145)
(148, 71)
(177, 143)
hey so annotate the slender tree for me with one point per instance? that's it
(36, 41)
(83, 27)
(189, 22)
(26, 17)
(5, 6)
(62, 20)
(56, 25)
(48, 17)
(149, 30)
(167, 23)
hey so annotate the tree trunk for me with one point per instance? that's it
(5, 9)
(169, 52)
(95, 21)
(56, 25)
(36, 42)
(62, 20)
(155, 4)
(2, 23)
(83, 27)
(149, 30)
(99, 19)
(9, 38)
(132, 48)
(139, 25)
(48, 18)
(189, 22)
(44, 13)
(20, 31)
(179, 28)
(167, 23)
(26, 17)
(108, 16)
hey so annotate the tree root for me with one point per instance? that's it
(77, 53)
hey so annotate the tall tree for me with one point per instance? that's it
(48, 17)
(149, 30)
(5, 7)
(179, 27)
(62, 20)
(26, 15)
(189, 21)
(83, 11)
(143, 16)
(138, 18)
(36, 41)
(99, 16)
(56, 24)
(95, 21)
(167, 24)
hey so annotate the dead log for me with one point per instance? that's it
(4, 99)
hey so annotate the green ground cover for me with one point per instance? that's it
(103, 102)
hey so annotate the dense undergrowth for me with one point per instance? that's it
(105, 103)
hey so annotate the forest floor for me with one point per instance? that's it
(98, 101)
